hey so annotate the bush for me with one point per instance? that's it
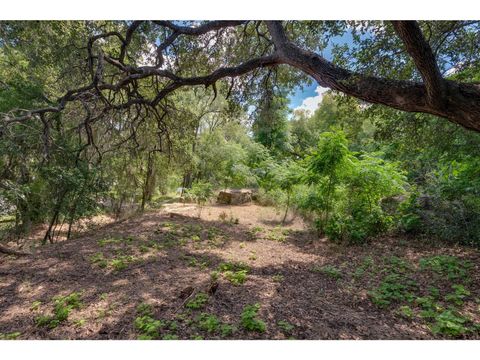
(449, 207)
(200, 192)
(249, 319)
(345, 190)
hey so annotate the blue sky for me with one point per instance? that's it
(311, 95)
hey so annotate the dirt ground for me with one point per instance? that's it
(165, 257)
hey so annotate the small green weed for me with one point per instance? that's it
(63, 305)
(227, 330)
(458, 296)
(406, 312)
(450, 323)
(236, 273)
(330, 271)
(278, 278)
(10, 336)
(393, 288)
(99, 260)
(208, 322)
(236, 277)
(249, 320)
(35, 305)
(286, 327)
(145, 323)
(198, 302)
(445, 265)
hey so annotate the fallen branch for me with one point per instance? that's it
(6, 250)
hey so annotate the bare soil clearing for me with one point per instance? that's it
(164, 257)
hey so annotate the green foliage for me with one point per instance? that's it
(145, 309)
(198, 302)
(449, 323)
(459, 294)
(445, 265)
(393, 288)
(63, 306)
(249, 320)
(236, 273)
(36, 305)
(286, 327)
(200, 192)
(10, 336)
(236, 277)
(366, 265)
(406, 311)
(270, 127)
(330, 271)
(148, 327)
(277, 234)
(99, 259)
(346, 189)
(227, 330)
(208, 322)
(278, 278)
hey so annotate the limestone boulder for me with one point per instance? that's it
(234, 197)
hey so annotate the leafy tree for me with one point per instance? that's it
(270, 127)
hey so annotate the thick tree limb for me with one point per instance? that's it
(461, 103)
(424, 59)
(457, 102)
(199, 30)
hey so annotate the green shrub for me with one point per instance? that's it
(208, 322)
(345, 190)
(249, 320)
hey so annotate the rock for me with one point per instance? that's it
(234, 197)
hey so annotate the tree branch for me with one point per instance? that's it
(461, 104)
(424, 59)
(458, 102)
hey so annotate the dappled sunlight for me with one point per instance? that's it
(298, 279)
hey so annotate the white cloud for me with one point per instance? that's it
(311, 103)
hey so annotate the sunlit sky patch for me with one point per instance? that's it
(310, 96)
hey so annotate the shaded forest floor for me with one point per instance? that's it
(168, 274)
